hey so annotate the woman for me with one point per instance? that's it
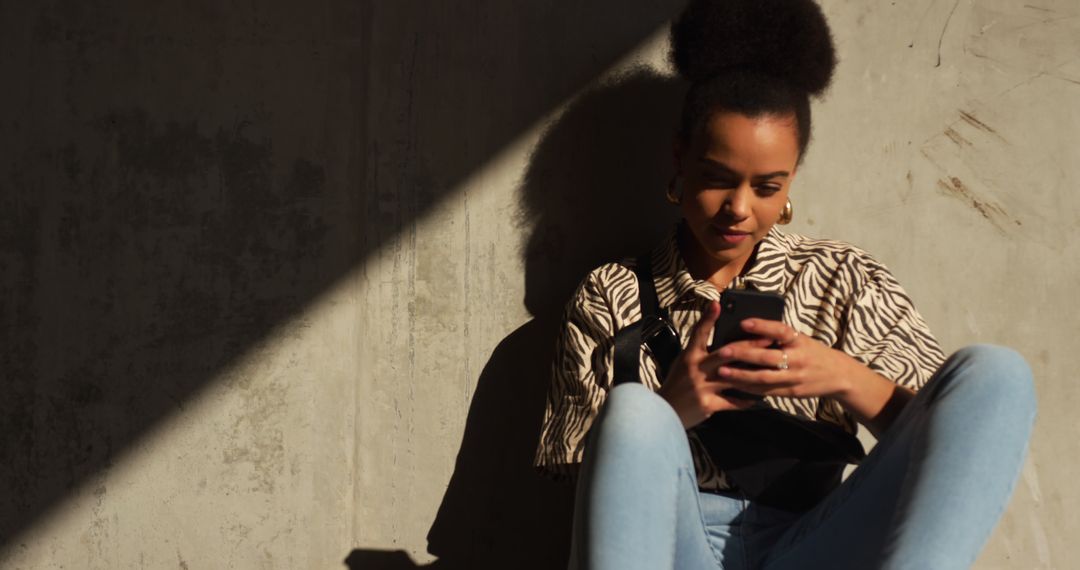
(851, 349)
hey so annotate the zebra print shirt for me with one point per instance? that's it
(833, 291)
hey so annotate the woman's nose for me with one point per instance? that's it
(737, 203)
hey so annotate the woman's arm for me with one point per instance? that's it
(579, 379)
(872, 399)
(814, 370)
(884, 354)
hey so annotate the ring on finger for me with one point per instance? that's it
(783, 364)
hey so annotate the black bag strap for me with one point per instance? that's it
(627, 349)
(649, 330)
(650, 303)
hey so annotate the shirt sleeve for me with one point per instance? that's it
(883, 330)
(579, 381)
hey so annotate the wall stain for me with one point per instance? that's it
(956, 137)
(905, 191)
(992, 212)
(975, 122)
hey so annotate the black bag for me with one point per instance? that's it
(773, 457)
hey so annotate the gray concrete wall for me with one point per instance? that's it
(279, 282)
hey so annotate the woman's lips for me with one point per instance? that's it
(729, 235)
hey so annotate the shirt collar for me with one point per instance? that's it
(765, 271)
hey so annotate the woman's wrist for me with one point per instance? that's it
(872, 399)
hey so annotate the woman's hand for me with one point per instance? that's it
(812, 370)
(692, 387)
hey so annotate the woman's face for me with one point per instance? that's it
(736, 175)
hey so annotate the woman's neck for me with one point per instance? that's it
(705, 267)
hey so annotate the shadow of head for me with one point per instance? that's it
(594, 188)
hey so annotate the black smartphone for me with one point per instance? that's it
(735, 306)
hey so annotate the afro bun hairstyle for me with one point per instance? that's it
(754, 57)
(786, 39)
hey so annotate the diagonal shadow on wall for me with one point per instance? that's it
(180, 179)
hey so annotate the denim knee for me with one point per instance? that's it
(993, 371)
(635, 413)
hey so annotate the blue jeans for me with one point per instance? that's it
(927, 496)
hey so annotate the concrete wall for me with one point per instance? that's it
(279, 282)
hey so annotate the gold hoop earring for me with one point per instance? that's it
(670, 194)
(785, 214)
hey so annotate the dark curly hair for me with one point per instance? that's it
(754, 57)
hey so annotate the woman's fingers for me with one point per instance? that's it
(723, 354)
(763, 357)
(775, 330)
(699, 338)
(740, 377)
